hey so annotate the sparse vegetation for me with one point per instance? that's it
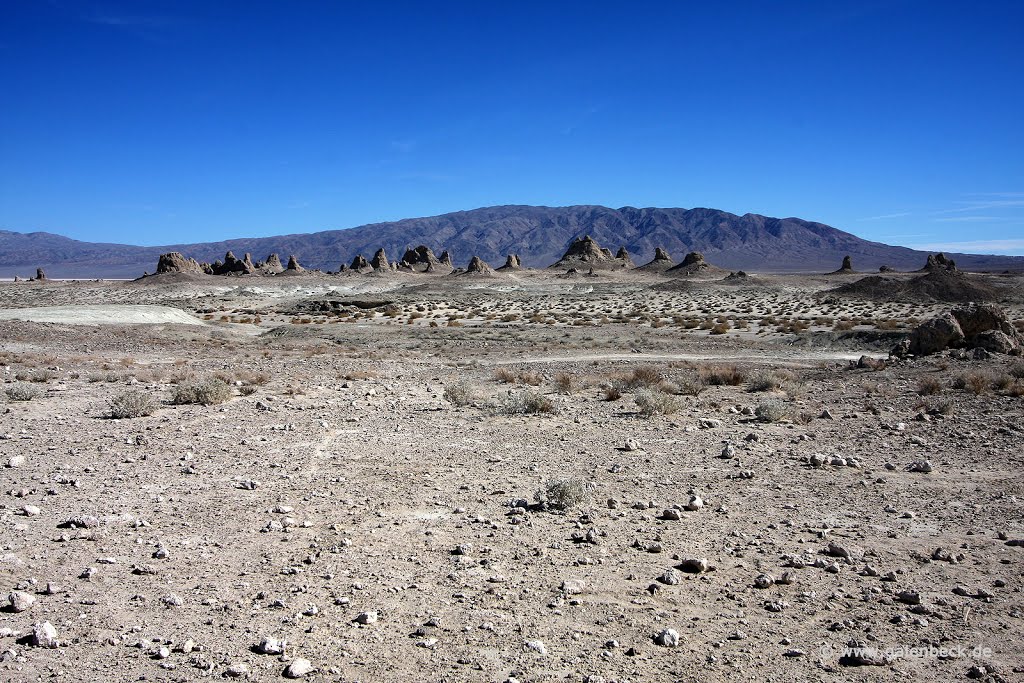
(509, 376)
(691, 385)
(612, 392)
(722, 375)
(207, 392)
(720, 328)
(1017, 370)
(929, 386)
(564, 494)
(976, 383)
(643, 376)
(22, 391)
(652, 402)
(459, 393)
(772, 411)
(505, 375)
(565, 383)
(37, 375)
(131, 403)
(525, 403)
(764, 380)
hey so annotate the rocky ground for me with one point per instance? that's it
(526, 478)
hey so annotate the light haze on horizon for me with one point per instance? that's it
(158, 122)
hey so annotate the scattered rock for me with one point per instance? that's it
(667, 638)
(271, 646)
(20, 601)
(694, 565)
(44, 635)
(298, 668)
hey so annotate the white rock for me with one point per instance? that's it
(20, 601)
(697, 565)
(667, 638)
(16, 461)
(369, 617)
(537, 646)
(298, 668)
(30, 510)
(171, 600)
(237, 670)
(271, 646)
(669, 578)
(44, 635)
(694, 503)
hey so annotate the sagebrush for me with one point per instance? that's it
(207, 392)
(131, 403)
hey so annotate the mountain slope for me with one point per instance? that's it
(539, 234)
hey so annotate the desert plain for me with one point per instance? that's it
(521, 477)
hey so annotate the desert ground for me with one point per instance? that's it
(525, 477)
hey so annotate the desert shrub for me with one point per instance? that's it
(653, 403)
(564, 494)
(928, 386)
(247, 390)
(1017, 370)
(565, 383)
(22, 391)
(131, 403)
(505, 375)
(531, 377)
(356, 375)
(691, 385)
(612, 392)
(255, 379)
(872, 388)
(771, 411)
(1002, 382)
(458, 393)
(1016, 389)
(207, 392)
(976, 383)
(764, 380)
(644, 376)
(722, 375)
(790, 383)
(720, 328)
(38, 375)
(225, 377)
(525, 403)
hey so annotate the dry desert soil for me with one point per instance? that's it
(523, 477)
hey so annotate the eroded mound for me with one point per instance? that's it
(939, 285)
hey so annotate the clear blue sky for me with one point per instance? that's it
(158, 122)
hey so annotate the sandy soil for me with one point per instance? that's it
(116, 314)
(366, 491)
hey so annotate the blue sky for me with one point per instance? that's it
(153, 122)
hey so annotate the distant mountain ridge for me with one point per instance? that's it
(539, 234)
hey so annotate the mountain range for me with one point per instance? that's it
(539, 234)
